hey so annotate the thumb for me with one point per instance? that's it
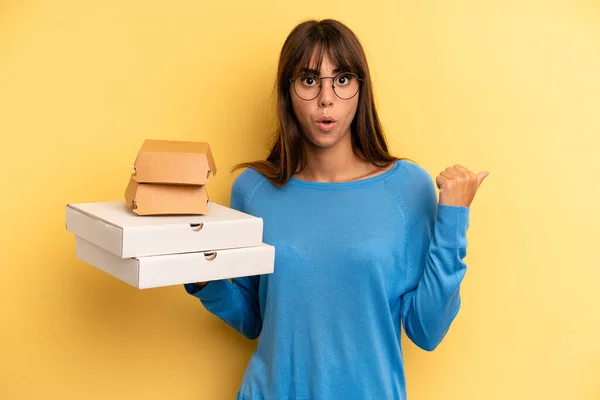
(481, 176)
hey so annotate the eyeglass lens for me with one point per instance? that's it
(308, 86)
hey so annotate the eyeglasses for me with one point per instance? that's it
(308, 86)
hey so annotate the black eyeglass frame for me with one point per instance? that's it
(320, 80)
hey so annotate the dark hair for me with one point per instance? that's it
(346, 52)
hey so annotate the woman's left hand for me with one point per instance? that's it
(458, 185)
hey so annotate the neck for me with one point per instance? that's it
(333, 164)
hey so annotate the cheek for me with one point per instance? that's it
(301, 109)
(351, 112)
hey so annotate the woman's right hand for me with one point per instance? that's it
(201, 285)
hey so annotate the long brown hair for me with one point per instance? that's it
(346, 52)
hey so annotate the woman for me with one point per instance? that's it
(362, 244)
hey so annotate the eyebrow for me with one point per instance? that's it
(315, 72)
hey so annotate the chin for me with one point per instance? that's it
(324, 141)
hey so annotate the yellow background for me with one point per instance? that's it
(511, 87)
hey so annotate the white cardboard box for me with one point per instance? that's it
(176, 269)
(115, 228)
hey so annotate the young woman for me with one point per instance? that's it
(362, 244)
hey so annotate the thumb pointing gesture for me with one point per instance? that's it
(458, 185)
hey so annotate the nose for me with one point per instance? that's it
(327, 94)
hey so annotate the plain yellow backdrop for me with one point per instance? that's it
(511, 87)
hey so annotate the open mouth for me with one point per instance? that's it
(326, 124)
(326, 120)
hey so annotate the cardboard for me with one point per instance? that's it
(161, 199)
(115, 228)
(174, 162)
(176, 269)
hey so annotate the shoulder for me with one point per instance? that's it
(248, 179)
(413, 188)
(412, 178)
(244, 187)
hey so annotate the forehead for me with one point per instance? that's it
(323, 57)
(326, 68)
(327, 64)
(322, 61)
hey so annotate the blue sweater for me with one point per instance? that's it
(353, 261)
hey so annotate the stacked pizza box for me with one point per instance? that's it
(167, 231)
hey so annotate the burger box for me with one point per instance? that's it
(169, 178)
(115, 228)
(162, 199)
(174, 162)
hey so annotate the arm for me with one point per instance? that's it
(235, 302)
(436, 251)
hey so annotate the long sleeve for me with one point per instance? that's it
(236, 302)
(436, 268)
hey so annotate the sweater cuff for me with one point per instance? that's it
(452, 223)
(211, 291)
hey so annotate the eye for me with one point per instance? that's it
(344, 79)
(309, 80)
